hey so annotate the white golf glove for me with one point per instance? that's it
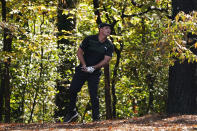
(90, 69)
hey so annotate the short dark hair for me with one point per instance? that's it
(103, 25)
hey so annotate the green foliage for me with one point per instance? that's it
(150, 42)
(34, 60)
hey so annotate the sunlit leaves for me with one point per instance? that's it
(151, 41)
(34, 58)
(176, 35)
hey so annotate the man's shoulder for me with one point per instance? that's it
(94, 37)
(109, 43)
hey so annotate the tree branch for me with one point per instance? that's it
(135, 4)
(96, 12)
(108, 18)
(148, 10)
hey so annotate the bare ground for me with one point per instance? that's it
(146, 123)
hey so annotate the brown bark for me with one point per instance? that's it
(107, 93)
(5, 86)
(2, 95)
(115, 74)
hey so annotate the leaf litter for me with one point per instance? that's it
(152, 122)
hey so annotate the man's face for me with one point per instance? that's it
(106, 30)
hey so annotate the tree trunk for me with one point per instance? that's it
(2, 96)
(7, 41)
(107, 93)
(182, 88)
(7, 93)
(150, 81)
(118, 53)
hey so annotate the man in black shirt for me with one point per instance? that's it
(94, 52)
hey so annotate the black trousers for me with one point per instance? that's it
(78, 81)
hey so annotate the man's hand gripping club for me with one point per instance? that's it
(89, 69)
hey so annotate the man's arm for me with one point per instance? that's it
(80, 57)
(104, 62)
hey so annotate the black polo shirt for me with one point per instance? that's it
(94, 50)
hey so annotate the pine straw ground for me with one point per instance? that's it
(146, 123)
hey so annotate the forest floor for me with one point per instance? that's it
(146, 123)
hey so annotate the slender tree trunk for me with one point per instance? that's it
(182, 88)
(2, 96)
(7, 93)
(150, 81)
(38, 86)
(107, 93)
(33, 106)
(114, 100)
